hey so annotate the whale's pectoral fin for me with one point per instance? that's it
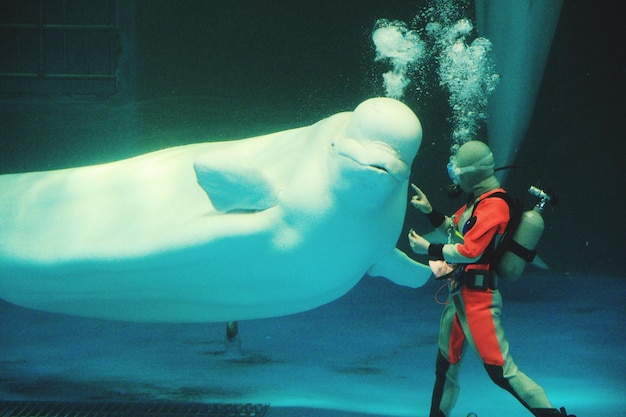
(399, 268)
(234, 183)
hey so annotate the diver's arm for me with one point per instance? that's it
(448, 252)
(446, 225)
(437, 219)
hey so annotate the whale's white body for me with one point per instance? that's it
(223, 231)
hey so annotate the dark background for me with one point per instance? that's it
(198, 70)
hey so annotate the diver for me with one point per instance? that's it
(472, 314)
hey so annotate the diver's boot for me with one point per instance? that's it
(550, 412)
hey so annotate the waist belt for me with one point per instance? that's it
(480, 280)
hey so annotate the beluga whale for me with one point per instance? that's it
(218, 231)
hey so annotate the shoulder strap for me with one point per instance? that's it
(494, 255)
(515, 208)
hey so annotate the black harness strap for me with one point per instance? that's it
(495, 250)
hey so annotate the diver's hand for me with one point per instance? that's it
(418, 243)
(420, 201)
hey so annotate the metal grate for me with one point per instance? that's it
(58, 46)
(128, 409)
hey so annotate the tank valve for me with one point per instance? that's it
(543, 197)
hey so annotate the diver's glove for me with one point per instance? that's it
(418, 243)
(442, 270)
(420, 202)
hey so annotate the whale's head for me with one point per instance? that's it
(377, 148)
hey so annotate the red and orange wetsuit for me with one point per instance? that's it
(472, 314)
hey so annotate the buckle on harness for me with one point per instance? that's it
(481, 280)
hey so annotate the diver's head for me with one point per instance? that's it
(472, 164)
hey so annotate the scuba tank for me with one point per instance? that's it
(520, 250)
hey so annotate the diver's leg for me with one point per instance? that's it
(551, 412)
(446, 389)
(486, 335)
(527, 391)
(451, 342)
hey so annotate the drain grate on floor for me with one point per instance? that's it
(128, 409)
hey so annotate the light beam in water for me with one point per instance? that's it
(521, 32)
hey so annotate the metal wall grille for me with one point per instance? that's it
(58, 46)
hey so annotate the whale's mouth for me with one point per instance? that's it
(375, 156)
(379, 168)
(373, 166)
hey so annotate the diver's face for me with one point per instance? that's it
(468, 176)
(454, 172)
(458, 175)
(467, 182)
